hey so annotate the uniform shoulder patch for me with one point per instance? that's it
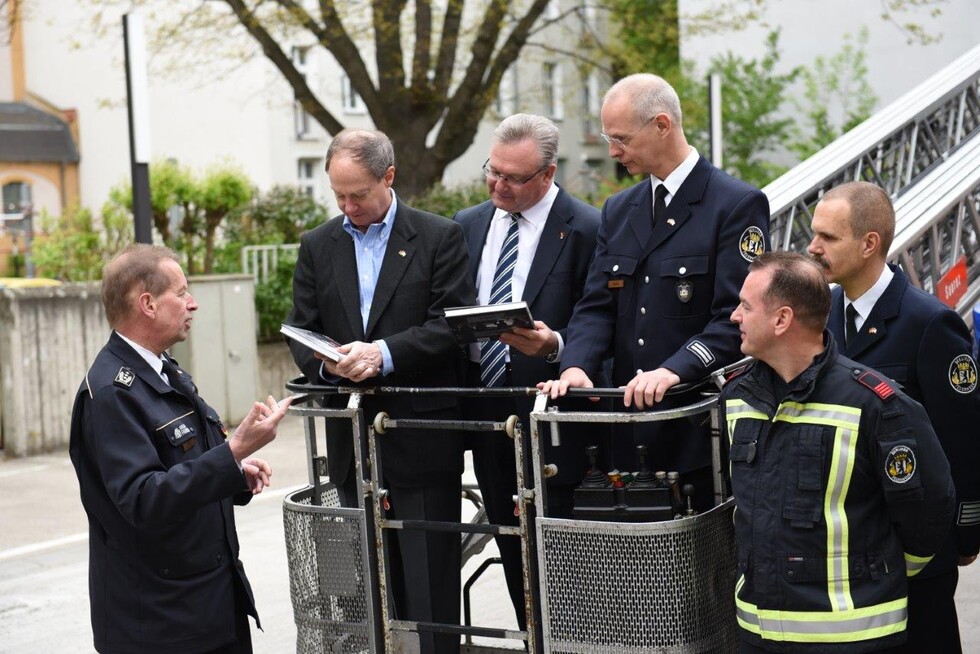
(963, 374)
(752, 243)
(900, 464)
(875, 382)
(124, 377)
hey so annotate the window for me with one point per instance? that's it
(352, 101)
(552, 92)
(16, 196)
(301, 119)
(306, 176)
(591, 125)
(506, 103)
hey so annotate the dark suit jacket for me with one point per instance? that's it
(915, 339)
(422, 273)
(555, 283)
(157, 481)
(663, 296)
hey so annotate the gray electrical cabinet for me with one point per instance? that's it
(220, 351)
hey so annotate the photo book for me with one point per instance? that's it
(317, 342)
(471, 324)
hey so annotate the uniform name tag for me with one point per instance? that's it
(615, 283)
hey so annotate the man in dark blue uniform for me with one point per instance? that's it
(554, 234)
(672, 253)
(158, 478)
(910, 336)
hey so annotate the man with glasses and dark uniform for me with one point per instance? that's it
(530, 241)
(672, 253)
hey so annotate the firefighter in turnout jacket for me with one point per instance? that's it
(841, 487)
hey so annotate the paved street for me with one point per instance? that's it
(43, 559)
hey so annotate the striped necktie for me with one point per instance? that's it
(493, 353)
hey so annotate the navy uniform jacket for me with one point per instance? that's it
(842, 492)
(555, 282)
(422, 273)
(923, 345)
(663, 297)
(157, 481)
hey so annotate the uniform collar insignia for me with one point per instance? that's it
(125, 377)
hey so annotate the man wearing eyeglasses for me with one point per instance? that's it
(555, 236)
(672, 253)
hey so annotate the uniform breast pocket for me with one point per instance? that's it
(685, 287)
(805, 485)
(619, 271)
(743, 450)
(179, 437)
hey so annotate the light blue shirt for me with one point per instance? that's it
(369, 251)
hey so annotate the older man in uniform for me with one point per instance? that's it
(672, 253)
(885, 322)
(158, 478)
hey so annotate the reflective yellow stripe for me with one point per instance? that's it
(735, 409)
(852, 625)
(847, 420)
(915, 564)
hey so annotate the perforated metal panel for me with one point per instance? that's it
(651, 587)
(325, 551)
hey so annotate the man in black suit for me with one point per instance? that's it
(912, 337)
(377, 279)
(555, 240)
(672, 254)
(158, 476)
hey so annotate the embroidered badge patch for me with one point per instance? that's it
(963, 374)
(900, 464)
(752, 243)
(180, 431)
(880, 387)
(125, 377)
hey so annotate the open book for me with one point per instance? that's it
(471, 324)
(317, 342)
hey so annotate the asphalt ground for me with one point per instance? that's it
(44, 558)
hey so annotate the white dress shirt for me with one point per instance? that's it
(864, 304)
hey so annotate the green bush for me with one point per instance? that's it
(274, 299)
(447, 200)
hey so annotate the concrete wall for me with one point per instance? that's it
(48, 337)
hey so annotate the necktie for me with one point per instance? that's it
(659, 204)
(492, 353)
(850, 325)
(178, 380)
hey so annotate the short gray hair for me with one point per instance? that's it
(370, 148)
(521, 127)
(650, 95)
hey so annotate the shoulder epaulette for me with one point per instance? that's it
(878, 385)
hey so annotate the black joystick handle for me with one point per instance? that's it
(688, 492)
(644, 478)
(594, 478)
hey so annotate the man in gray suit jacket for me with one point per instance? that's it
(556, 237)
(377, 279)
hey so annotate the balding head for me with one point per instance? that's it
(649, 95)
(797, 282)
(871, 210)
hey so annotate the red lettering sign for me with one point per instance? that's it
(953, 284)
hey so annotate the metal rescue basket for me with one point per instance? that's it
(591, 586)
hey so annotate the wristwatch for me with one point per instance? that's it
(552, 357)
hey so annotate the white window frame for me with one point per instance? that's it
(307, 183)
(552, 83)
(353, 104)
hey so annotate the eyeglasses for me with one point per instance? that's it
(510, 179)
(623, 141)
